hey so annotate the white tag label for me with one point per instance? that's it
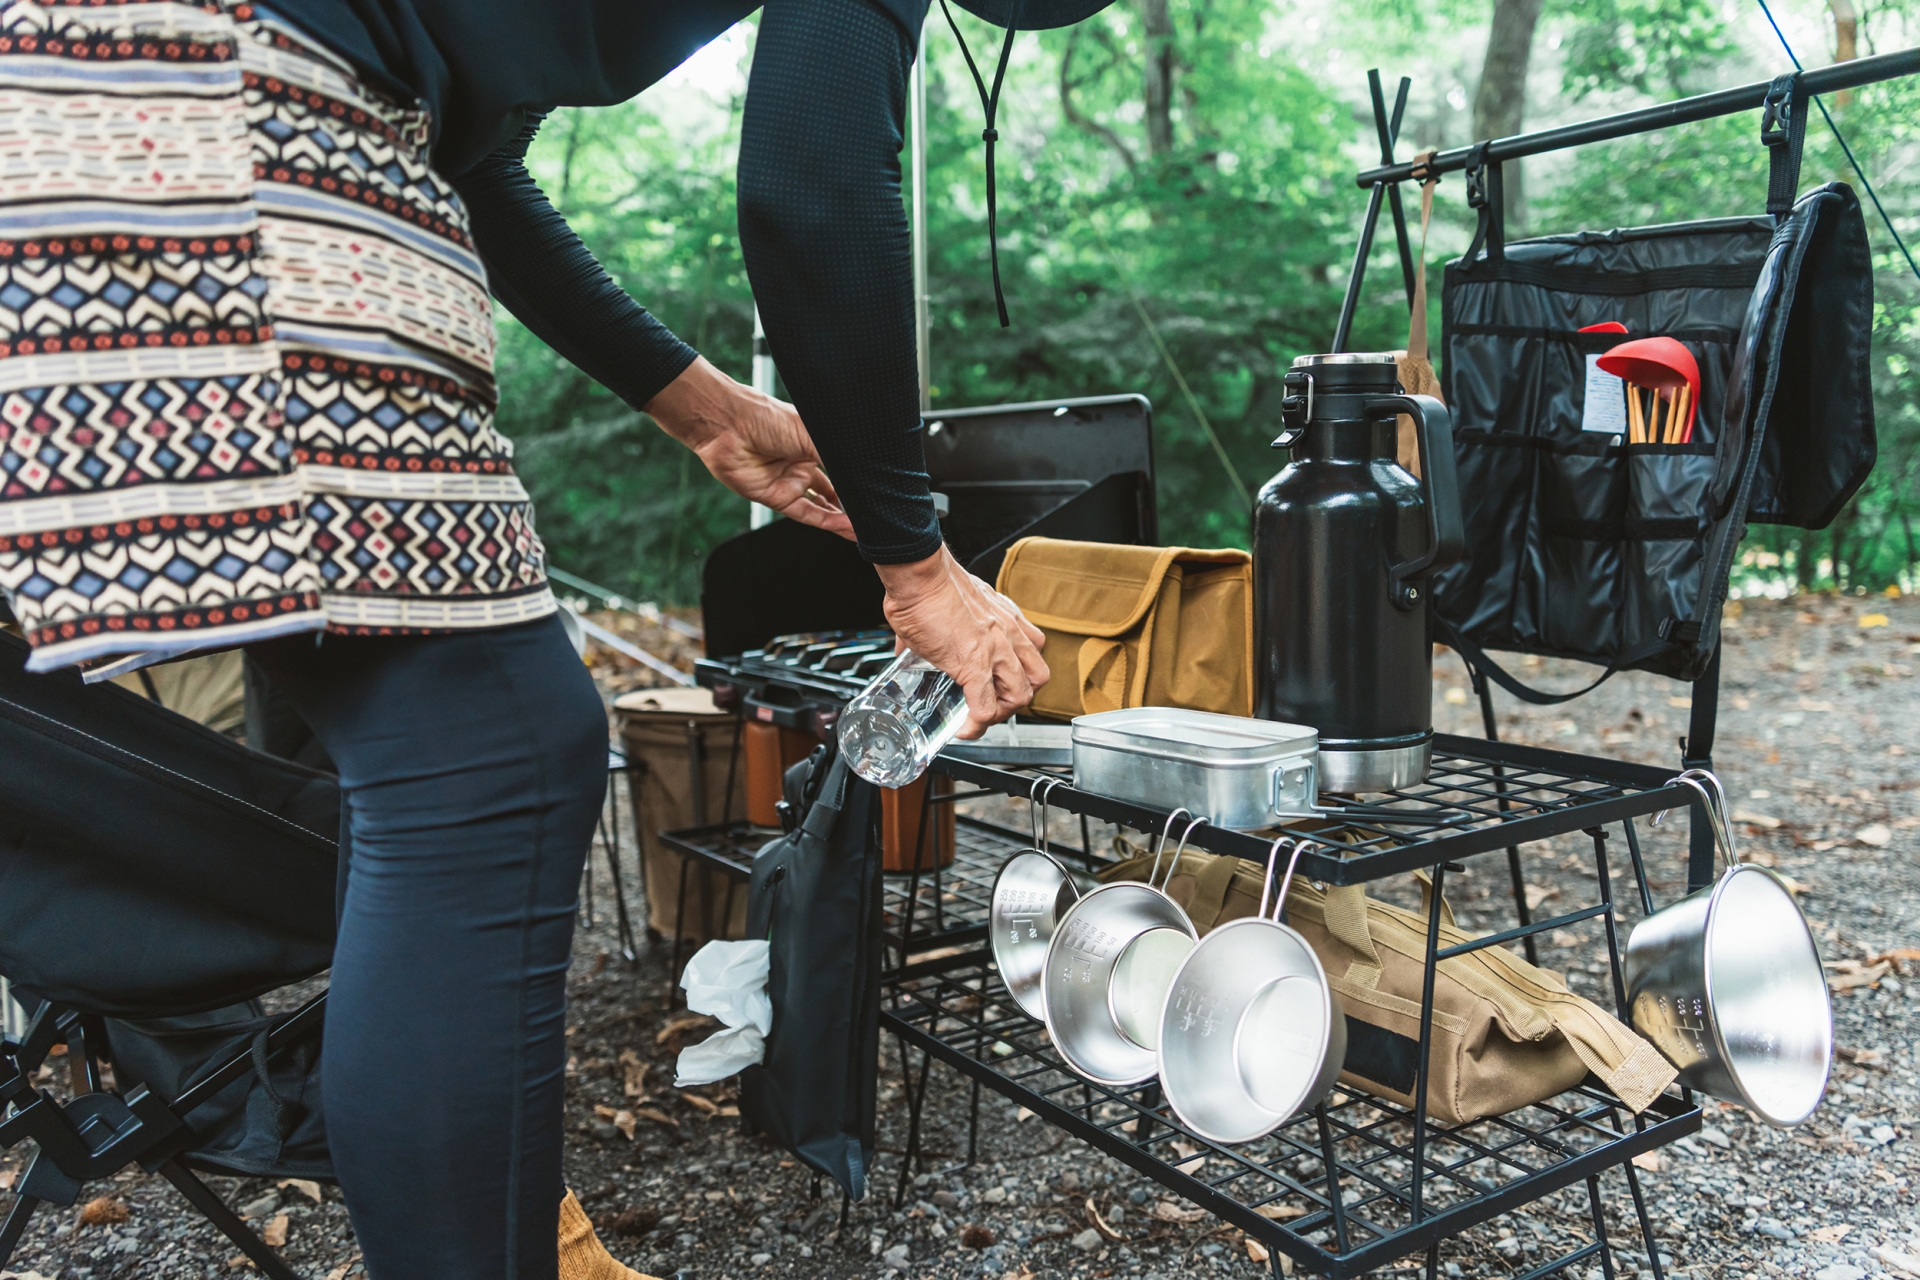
(1605, 409)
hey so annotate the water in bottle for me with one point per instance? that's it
(893, 728)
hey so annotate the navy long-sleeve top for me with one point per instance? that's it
(822, 226)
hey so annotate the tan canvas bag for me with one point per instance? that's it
(1506, 1034)
(1136, 626)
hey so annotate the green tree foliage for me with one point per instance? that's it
(1196, 229)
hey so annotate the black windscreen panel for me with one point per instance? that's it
(1080, 469)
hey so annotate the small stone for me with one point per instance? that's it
(1087, 1241)
(1716, 1138)
(1069, 1181)
(604, 1131)
(1840, 1271)
(896, 1257)
(975, 1236)
(761, 1259)
(945, 1199)
(1882, 1134)
(1212, 1250)
(633, 1222)
(1137, 1196)
(995, 1195)
(266, 1204)
(1773, 1229)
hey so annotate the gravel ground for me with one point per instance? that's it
(1819, 743)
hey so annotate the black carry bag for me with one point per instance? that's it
(815, 895)
(1581, 545)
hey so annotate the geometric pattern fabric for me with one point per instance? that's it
(246, 348)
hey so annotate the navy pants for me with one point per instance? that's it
(472, 767)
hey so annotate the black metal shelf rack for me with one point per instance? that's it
(1334, 1189)
(1359, 1181)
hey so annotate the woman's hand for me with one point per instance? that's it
(752, 443)
(968, 630)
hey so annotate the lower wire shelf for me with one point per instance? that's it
(1334, 1188)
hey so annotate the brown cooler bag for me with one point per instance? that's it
(1506, 1034)
(672, 737)
(1136, 626)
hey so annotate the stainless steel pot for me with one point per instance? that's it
(1032, 891)
(1727, 983)
(1250, 1033)
(1105, 974)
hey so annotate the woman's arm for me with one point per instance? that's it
(825, 238)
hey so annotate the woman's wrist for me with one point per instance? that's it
(693, 408)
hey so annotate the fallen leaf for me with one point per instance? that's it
(1456, 697)
(1900, 956)
(626, 1123)
(1873, 620)
(632, 1222)
(1539, 893)
(338, 1273)
(1830, 1235)
(1647, 1160)
(975, 1236)
(658, 1117)
(1168, 1211)
(1844, 975)
(1255, 1250)
(1766, 820)
(275, 1232)
(1281, 1212)
(1876, 835)
(6, 1179)
(635, 1086)
(1021, 1114)
(1190, 1161)
(685, 1022)
(1099, 1223)
(1680, 702)
(104, 1211)
(727, 1111)
(1898, 1259)
(702, 1105)
(1860, 1057)
(304, 1186)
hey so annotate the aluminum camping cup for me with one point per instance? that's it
(1250, 1033)
(1030, 894)
(1727, 984)
(1105, 975)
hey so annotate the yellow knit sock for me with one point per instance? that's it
(582, 1256)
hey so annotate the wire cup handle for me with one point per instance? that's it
(1161, 843)
(1266, 889)
(1037, 812)
(1715, 803)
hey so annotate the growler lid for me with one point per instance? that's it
(1346, 357)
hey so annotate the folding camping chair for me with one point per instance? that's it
(156, 878)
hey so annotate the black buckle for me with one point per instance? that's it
(1477, 177)
(1296, 407)
(1776, 113)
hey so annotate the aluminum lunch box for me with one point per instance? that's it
(1240, 773)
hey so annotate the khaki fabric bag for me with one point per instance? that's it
(1136, 626)
(1506, 1034)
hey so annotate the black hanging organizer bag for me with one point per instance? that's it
(1582, 545)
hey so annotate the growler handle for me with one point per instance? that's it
(1446, 534)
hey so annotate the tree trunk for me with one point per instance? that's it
(1157, 30)
(1846, 40)
(1500, 103)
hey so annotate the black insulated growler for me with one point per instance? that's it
(1344, 542)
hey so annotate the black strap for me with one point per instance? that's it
(1783, 130)
(1481, 665)
(990, 102)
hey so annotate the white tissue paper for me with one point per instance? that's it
(727, 980)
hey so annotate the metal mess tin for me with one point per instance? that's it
(1242, 773)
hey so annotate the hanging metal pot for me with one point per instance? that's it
(1032, 891)
(1108, 969)
(1727, 984)
(1250, 1033)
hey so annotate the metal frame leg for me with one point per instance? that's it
(916, 1099)
(1599, 1225)
(16, 1226)
(201, 1196)
(1646, 1224)
(610, 840)
(1422, 1071)
(1521, 910)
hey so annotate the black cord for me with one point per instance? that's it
(990, 102)
(1841, 139)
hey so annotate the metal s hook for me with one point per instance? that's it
(1266, 890)
(1715, 803)
(1037, 810)
(1161, 843)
